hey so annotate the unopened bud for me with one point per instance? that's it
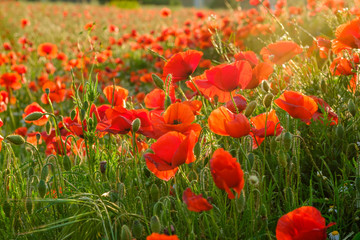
(137, 229)
(16, 139)
(352, 107)
(282, 159)
(265, 86)
(158, 81)
(268, 100)
(154, 192)
(250, 108)
(34, 116)
(136, 124)
(125, 233)
(42, 188)
(286, 140)
(67, 163)
(155, 224)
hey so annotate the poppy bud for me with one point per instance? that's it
(286, 140)
(273, 145)
(16, 139)
(155, 224)
(282, 159)
(30, 171)
(137, 229)
(44, 172)
(251, 158)
(125, 233)
(158, 81)
(157, 209)
(67, 163)
(28, 205)
(197, 149)
(154, 192)
(34, 116)
(352, 107)
(263, 210)
(340, 131)
(73, 114)
(85, 105)
(254, 180)
(122, 190)
(265, 86)
(42, 188)
(323, 86)
(82, 113)
(136, 124)
(240, 203)
(268, 100)
(48, 127)
(7, 208)
(103, 166)
(250, 108)
(47, 91)
(167, 102)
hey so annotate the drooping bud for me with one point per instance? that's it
(42, 188)
(48, 127)
(155, 224)
(352, 107)
(154, 192)
(265, 86)
(137, 229)
(73, 114)
(250, 108)
(103, 166)
(67, 163)
(16, 139)
(34, 116)
(286, 140)
(125, 233)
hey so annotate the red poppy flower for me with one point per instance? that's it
(302, 223)
(170, 151)
(260, 72)
(165, 12)
(48, 50)
(272, 124)
(177, 117)
(223, 122)
(155, 99)
(117, 96)
(226, 172)
(228, 77)
(297, 105)
(347, 36)
(182, 65)
(57, 91)
(280, 52)
(249, 56)
(10, 80)
(195, 203)
(35, 107)
(158, 236)
(209, 90)
(341, 66)
(318, 115)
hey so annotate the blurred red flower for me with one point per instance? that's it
(280, 52)
(195, 203)
(302, 223)
(226, 172)
(48, 50)
(157, 236)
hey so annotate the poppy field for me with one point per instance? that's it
(181, 123)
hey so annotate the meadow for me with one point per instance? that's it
(180, 123)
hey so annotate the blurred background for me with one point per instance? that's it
(137, 3)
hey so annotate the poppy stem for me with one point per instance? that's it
(233, 101)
